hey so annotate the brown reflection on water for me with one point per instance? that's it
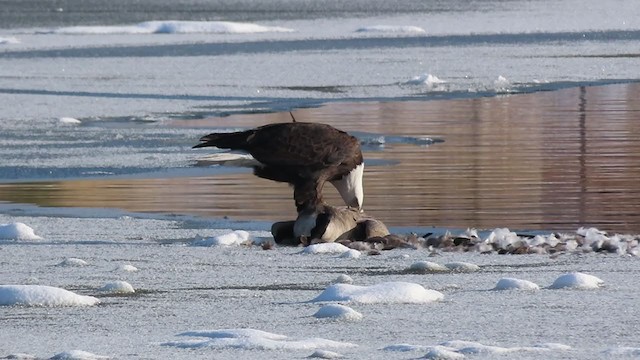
(551, 161)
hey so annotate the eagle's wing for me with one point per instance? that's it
(302, 144)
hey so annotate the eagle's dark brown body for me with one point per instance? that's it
(305, 155)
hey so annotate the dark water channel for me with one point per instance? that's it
(548, 161)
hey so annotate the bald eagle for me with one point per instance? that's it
(305, 155)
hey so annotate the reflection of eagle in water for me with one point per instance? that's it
(305, 155)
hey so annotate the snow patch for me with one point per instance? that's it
(577, 280)
(385, 293)
(433, 352)
(325, 248)
(501, 83)
(475, 348)
(234, 238)
(515, 284)
(343, 279)
(71, 262)
(392, 29)
(337, 312)
(173, 27)
(17, 231)
(350, 254)
(118, 287)
(427, 267)
(461, 266)
(9, 40)
(443, 353)
(40, 295)
(251, 339)
(77, 355)
(325, 354)
(69, 121)
(127, 268)
(431, 81)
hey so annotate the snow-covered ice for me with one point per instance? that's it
(172, 27)
(78, 355)
(458, 349)
(41, 295)
(251, 339)
(392, 29)
(244, 288)
(123, 80)
(622, 351)
(404, 347)
(9, 40)
(385, 293)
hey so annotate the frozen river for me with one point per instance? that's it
(487, 114)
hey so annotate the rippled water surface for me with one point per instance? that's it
(550, 161)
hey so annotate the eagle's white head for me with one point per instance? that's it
(350, 187)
